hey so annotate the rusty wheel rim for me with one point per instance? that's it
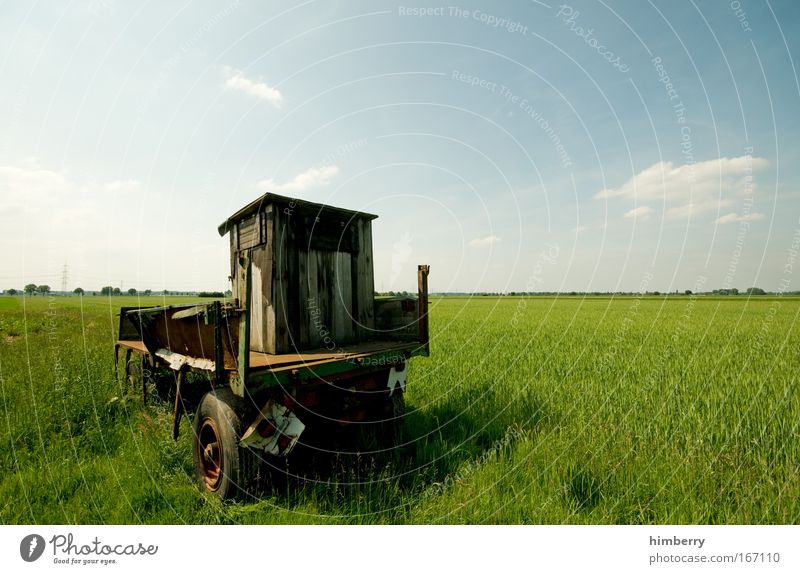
(210, 454)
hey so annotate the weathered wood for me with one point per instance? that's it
(365, 284)
(257, 303)
(249, 232)
(342, 299)
(294, 205)
(422, 307)
(313, 314)
(262, 360)
(396, 319)
(261, 297)
(354, 297)
(219, 349)
(234, 258)
(317, 302)
(312, 277)
(278, 334)
(304, 334)
(292, 285)
(244, 327)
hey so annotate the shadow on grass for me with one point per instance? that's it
(347, 471)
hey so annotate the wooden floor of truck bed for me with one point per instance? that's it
(267, 361)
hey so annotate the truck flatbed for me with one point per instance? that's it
(321, 356)
(267, 361)
(302, 335)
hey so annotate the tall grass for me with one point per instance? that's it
(538, 410)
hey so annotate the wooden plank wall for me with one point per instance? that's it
(342, 295)
(364, 284)
(234, 235)
(323, 297)
(261, 277)
(282, 282)
(254, 236)
(396, 319)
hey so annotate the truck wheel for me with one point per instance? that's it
(217, 457)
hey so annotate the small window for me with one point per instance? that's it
(249, 232)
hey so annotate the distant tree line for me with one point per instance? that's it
(393, 294)
(724, 292)
(30, 289)
(110, 291)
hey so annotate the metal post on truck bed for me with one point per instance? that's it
(422, 288)
(244, 326)
(219, 352)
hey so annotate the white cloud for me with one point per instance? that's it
(105, 232)
(36, 188)
(484, 241)
(644, 212)
(55, 206)
(313, 177)
(691, 189)
(581, 229)
(735, 218)
(237, 81)
(687, 210)
(20, 184)
(121, 186)
(50, 218)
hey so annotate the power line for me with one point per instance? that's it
(64, 275)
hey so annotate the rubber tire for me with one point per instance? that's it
(216, 409)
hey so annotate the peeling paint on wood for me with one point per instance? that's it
(176, 361)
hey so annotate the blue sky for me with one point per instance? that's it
(511, 146)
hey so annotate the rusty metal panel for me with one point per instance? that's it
(128, 325)
(193, 336)
(275, 430)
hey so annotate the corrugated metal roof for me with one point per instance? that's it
(296, 204)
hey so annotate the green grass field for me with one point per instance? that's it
(539, 410)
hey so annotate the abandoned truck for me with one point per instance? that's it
(302, 342)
